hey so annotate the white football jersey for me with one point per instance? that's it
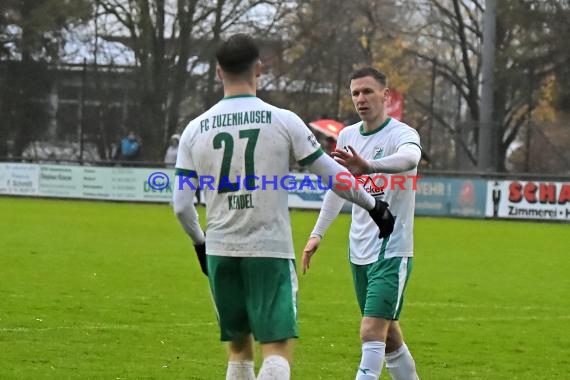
(242, 146)
(364, 243)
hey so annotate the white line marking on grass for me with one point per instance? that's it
(103, 327)
(481, 306)
(59, 296)
(507, 319)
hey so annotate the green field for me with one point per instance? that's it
(112, 291)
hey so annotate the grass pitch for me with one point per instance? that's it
(113, 291)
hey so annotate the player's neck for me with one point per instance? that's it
(371, 125)
(239, 88)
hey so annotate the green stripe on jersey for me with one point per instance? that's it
(186, 172)
(311, 157)
(239, 96)
(381, 127)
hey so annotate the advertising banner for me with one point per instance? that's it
(539, 200)
(147, 193)
(451, 197)
(435, 196)
(19, 179)
(307, 191)
(110, 183)
(128, 184)
(60, 181)
(304, 191)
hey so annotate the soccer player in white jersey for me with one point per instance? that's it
(380, 268)
(244, 145)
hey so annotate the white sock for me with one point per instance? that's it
(240, 370)
(274, 367)
(401, 365)
(372, 360)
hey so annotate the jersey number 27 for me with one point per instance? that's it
(226, 141)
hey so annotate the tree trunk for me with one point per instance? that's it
(211, 97)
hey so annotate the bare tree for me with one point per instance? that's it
(32, 33)
(158, 33)
(238, 15)
(327, 39)
(169, 39)
(450, 35)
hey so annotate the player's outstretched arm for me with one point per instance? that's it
(351, 160)
(306, 149)
(406, 158)
(343, 183)
(327, 168)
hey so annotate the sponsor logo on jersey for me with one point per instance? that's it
(372, 188)
(378, 153)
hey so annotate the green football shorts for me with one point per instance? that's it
(254, 295)
(380, 286)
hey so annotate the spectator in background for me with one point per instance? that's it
(172, 151)
(130, 147)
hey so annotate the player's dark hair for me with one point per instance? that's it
(237, 54)
(370, 72)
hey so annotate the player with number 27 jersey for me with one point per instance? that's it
(228, 139)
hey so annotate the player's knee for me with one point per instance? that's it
(373, 329)
(369, 335)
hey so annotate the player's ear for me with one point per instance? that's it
(219, 73)
(258, 68)
(386, 95)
